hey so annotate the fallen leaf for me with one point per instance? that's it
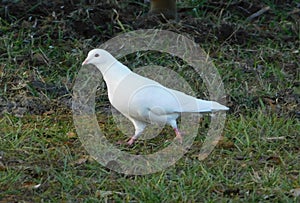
(30, 185)
(295, 192)
(103, 193)
(47, 113)
(271, 103)
(2, 167)
(226, 144)
(71, 135)
(274, 159)
(275, 138)
(81, 160)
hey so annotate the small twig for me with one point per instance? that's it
(258, 13)
(295, 11)
(45, 58)
(275, 138)
(118, 21)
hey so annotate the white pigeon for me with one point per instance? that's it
(142, 100)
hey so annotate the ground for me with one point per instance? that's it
(42, 47)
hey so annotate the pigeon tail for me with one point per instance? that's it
(218, 107)
(210, 106)
(191, 104)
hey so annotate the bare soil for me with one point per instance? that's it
(99, 22)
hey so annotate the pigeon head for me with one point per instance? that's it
(99, 58)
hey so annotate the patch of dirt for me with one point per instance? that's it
(103, 20)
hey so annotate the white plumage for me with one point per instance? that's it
(143, 100)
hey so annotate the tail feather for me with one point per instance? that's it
(210, 106)
(218, 107)
(192, 104)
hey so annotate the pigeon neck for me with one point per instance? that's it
(115, 72)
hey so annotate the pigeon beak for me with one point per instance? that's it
(85, 62)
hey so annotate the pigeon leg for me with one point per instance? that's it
(178, 135)
(137, 133)
(139, 128)
(177, 132)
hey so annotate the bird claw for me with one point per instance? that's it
(178, 135)
(131, 141)
(120, 142)
(179, 139)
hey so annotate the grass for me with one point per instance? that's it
(257, 160)
(253, 168)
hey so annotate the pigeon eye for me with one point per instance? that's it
(96, 55)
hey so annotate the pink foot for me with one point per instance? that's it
(178, 135)
(131, 141)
